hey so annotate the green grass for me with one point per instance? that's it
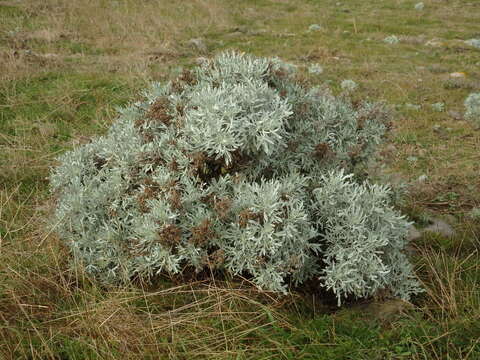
(64, 68)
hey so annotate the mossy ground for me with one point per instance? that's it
(66, 65)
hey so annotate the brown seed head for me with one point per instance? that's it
(170, 235)
(222, 207)
(321, 151)
(159, 111)
(202, 233)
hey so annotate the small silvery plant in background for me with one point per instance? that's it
(414, 107)
(315, 69)
(348, 85)
(472, 106)
(475, 213)
(438, 107)
(473, 42)
(419, 6)
(422, 178)
(392, 40)
(236, 166)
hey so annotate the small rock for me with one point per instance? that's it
(457, 75)
(314, 27)
(198, 44)
(440, 227)
(412, 159)
(413, 234)
(455, 115)
(419, 6)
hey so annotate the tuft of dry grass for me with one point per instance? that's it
(46, 305)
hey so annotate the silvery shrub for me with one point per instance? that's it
(348, 85)
(472, 107)
(392, 39)
(237, 166)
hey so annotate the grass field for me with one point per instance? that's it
(64, 67)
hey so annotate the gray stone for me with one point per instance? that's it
(440, 227)
(198, 44)
(413, 233)
(455, 115)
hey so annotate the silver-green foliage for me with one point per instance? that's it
(236, 165)
(472, 106)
